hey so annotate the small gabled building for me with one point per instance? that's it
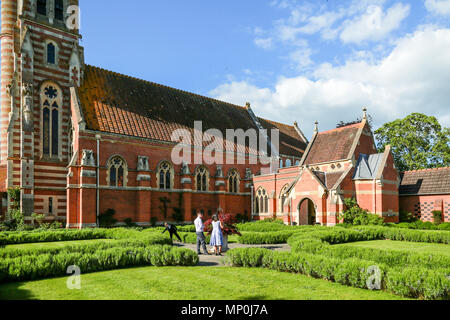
(425, 191)
(337, 164)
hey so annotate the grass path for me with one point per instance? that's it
(417, 247)
(179, 283)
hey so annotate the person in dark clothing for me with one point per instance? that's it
(172, 231)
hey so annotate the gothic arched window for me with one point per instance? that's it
(202, 179)
(288, 163)
(51, 53)
(283, 198)
(233, 181)
(117, 171)
(51, 98)
(59, 10)
(42, 7)
(262, 201)
(165, 176)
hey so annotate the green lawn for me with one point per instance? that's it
(179, 283)
(418, 247)
(51, 244)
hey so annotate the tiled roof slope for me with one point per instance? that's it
(332, 145)
(429, 181)
(290, 141)
(116, 103)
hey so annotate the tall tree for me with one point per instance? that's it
(418, 142)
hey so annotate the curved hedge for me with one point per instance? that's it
(410, 282)
(31, 267)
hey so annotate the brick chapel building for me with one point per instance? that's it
(78, 140)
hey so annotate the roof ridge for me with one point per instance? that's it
(428, 169)
(341, 128)
(165, 86)
(276, 122)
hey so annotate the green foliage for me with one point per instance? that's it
(106, 219)
(407, 216)
(129, 223)
(14, 197)
(418, 142)
(437, 217)
(444, 226)
(265, 237)
(417, 282)
(355, 215)
(14, 221)
(32, 267)
(315, 254)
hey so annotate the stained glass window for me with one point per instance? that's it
(233, 181)
(202, 177)
(46, 131)
(165, 176)
(50, 120)
(117, 168)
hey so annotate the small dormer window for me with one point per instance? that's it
(42, 7)
(51, 53)
(59, 10)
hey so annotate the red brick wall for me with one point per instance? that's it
(423, 206)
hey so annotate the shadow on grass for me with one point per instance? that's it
(14, 291)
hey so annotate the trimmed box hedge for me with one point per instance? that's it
(411, 282)
(32, 267)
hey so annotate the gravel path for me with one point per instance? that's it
(218, 261)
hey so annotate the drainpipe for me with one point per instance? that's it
(98, 137)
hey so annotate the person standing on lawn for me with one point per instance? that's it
(199, 228)
(172, 231)
(217, 235)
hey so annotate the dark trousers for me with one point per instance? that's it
(176, 235)
(201, 241)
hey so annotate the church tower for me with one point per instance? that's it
(40, 61)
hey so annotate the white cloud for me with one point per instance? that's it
(374, 24)
(265, 43)
(440, 7)
(414, 77)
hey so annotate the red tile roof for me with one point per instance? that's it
(116, 103)
(428, 181)
(332, 145)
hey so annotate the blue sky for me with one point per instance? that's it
(293, 60)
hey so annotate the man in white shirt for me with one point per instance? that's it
(201, 241)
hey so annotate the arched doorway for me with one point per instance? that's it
(306, 212)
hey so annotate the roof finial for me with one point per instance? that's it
(316, 128)
(248, 105)
(364, 113)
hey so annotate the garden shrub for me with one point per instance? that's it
(437, 217)
(355, 215)
(417, 282)
(276, 237)
(444, 226)
(42, 266)
(106, 219)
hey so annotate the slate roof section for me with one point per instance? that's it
(329, 179)
(367, 166)
(423, 182)
(332, 145)
(119, 104)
